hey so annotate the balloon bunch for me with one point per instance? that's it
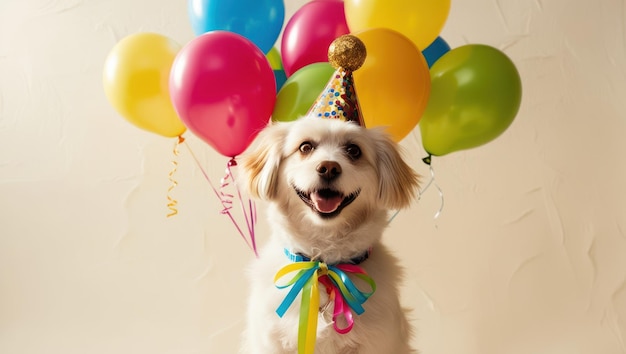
(220, 85)
(230, 80)
(461, 98)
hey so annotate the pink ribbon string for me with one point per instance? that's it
(340, 309)
(249, 213)
(226, 199)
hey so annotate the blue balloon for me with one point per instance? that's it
(281, 77)
(435, 51)
(258, 20)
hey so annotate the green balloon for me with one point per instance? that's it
(475, 94)
(300, 91)
(273, 56)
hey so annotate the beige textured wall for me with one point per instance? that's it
(529, 255)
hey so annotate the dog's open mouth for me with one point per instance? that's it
(326, 202)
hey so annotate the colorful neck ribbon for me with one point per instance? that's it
(341, 291)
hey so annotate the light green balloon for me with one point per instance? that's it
(300, 91)
(273, 56)
(475, 94)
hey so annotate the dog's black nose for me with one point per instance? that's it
(328, 170)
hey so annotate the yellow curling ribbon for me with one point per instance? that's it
(171, 202)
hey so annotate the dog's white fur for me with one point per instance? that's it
(274, 169)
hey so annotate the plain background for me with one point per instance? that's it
(528, 255)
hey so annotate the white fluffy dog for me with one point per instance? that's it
(330, 185)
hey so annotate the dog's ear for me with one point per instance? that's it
(260, 165)
(398, 182)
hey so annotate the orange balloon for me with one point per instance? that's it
(393, 85)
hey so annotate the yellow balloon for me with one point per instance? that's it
(420, 20)
(393, 85)
(136, 82)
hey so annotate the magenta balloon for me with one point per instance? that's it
(223, 89)
(310, 31)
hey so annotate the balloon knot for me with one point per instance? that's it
(428, 159)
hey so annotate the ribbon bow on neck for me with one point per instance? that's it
(340, 288)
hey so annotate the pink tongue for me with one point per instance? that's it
(325, 204)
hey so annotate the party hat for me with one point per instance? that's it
(339, 100)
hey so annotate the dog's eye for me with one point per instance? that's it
(306, 148)
(353, 151)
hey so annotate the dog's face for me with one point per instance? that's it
(328, 170)
(329, 166)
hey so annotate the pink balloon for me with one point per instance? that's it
(223, 89)
(310, 31)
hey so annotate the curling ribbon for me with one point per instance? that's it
(249, 214)
(342, 291)
(227, 202)
(428, 160)
(227, 198)
(171, 202)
